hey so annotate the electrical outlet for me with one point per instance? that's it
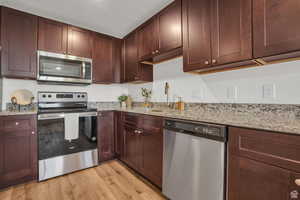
(232, 92)
(268, 91)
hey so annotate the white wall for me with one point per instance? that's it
(216, 87)
(209, 88)
(96, 92)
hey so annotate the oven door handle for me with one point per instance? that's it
(50, 116)
(88, 114)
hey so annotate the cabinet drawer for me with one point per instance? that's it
(17, 123)
(152, 124)
(132, 118)
(273, 148)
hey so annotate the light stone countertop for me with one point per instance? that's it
(262, 121)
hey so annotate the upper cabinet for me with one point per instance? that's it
(215, 33)
(53, 36)
(79, 42)
(19, 44)
(61, 38)
(133, 70)
(275, 27)
(106, 59)
(160, 37)
(147, 40)
(169, 27)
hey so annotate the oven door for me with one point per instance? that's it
(63, 68)
(51, 135)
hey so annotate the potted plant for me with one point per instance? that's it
(146, 93)
(122, 99)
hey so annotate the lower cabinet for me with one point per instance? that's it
(18, 150)
(263, 165)
(105, 136)
(143, 145)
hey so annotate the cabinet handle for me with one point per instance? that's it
(17, 123)
(206, 62)
(214, 61)
(297, 181)
(294, 194)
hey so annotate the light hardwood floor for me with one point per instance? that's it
(109, 181)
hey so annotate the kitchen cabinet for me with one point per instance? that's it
(119, 138)
(143, 145)
(133, 70)
(18, 54)
(160, 37)
(106, 59)
(276, 27)
(262, 165)
(53, 36)
(79, 42)
(152, 149)
(169, 28)
(147, 40)
(18, 150)
(105, 136)
(216, 33)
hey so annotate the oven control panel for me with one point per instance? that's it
(62, 97)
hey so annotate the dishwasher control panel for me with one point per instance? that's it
(211, 131)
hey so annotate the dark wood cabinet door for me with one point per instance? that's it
(275, 27)
(231, 35)
(105, 135)
(152, 150)
(130, 59)
(119, 137)
(53, 36)
(147, 40)
(196, 34)
(19, 52)
(169, 27)
(249, 180)
(79, 42)
(132, 154)
(18, 154)
(103, 59)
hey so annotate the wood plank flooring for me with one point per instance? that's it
(109, 181)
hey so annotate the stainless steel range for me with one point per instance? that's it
(66, 133)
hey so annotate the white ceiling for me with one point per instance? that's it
(112, 17)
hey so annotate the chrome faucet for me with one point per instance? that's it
(167, 87)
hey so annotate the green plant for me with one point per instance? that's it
(122, 98)
(146, 93)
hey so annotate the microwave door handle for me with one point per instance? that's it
(83, 70)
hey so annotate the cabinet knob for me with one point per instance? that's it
(297, 181)
(32, 132)
(214, 61)
(294, 194)
(206, 62)
(153, 52)
(156, 51)
(17, 123)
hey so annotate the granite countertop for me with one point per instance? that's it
(8, 113)
(263, 121)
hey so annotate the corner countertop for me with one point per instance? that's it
(262, 121)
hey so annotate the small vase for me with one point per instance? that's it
(123, 105)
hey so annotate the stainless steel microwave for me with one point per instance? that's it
(65, 69)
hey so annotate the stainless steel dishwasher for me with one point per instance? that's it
(194, 161)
